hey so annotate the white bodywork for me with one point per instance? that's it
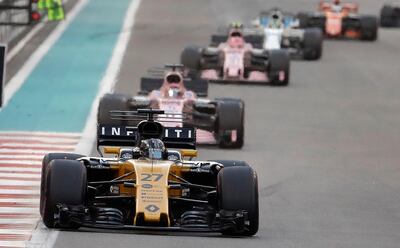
(273, 38)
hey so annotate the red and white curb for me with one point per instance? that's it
(21, 156)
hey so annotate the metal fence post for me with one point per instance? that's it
(3, 49)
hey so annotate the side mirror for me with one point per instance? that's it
(112, 150)
(188, 153)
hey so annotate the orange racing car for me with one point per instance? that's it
(339, 20)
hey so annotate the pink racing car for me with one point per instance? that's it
(236, 61)
(218, 122)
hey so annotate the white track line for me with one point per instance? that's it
(17, 81)
(12, 244)
(28, 221)
(40, 134)
(25, 151)
(17, 48)
(19, 175)
(18, 192)
(18, 183)
(16, 231)
(37, 145)
(39, 139)
(28, 156)
(108, 81)
(18, 170)
(23, 162)
(10, 210)
(19, 200)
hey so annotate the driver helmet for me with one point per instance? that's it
(276, 19)
(336, 2)
(152, 149)
(173, 85)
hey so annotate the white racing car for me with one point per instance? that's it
(274, 30)
(280, 31)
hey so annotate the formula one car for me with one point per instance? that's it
(341, 20)
(220, 121)
(149, 185)
(390, 15)
(280, 31)
(237, 61)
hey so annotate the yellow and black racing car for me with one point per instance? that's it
(148, 184)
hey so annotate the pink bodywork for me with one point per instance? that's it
(176, 106)
(235, 52)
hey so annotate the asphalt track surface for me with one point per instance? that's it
(326, 148)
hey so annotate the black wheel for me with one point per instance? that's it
(230, 129)
(369, 28)
(237, 189)
(279, 67)
(388, 18)
(66, 183)
(312, 43)
(303, 19)
(190, 57)
(111, 102)
(45, 164)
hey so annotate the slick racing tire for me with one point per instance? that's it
(279, 67)
(66, 183)
(388, 18)
(191, 57)
(45, 164)
(312, 44)
(237, 189)
(369, 28)
(230, 124)
(108, 103)
(303, 19)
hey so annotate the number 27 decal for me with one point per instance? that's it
(147, 177)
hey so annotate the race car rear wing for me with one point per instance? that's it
(198, 86)
(255, 40)
(119, 135)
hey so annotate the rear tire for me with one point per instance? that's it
(45, 164)
(191, 57)
(237, 189)
(111, 102)
(303, 19)
(312, 44)
(388, 18)
(279, 62)
(230, 119)
(369, 28)
(66, 183)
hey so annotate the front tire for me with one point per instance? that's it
(45, 164)
(66, 183)
(237, 189)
